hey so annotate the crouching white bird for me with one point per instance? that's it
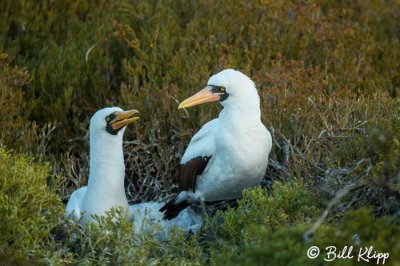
(229, 153)
(105, 188)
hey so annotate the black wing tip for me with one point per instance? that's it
(167, 205)
(171, 209)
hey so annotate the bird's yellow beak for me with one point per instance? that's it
(204, 96)
(124, 118)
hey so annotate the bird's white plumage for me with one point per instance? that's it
(105, 188)
(147, 216)
(197, 145)
(237, 141)
(74, 203)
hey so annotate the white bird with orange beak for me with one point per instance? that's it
(229, 153)
(105, 188)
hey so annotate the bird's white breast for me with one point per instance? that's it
(239, 161)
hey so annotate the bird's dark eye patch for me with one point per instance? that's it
(223, 97)
(109, 128)
(220, 90)
(110, 117)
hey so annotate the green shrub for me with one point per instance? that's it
(28, 208)
(361, 229)
(51, 39)
(113, 241)
(15, 130)
(84, 56)
(285, 245)
(277, 218)
(269, 228)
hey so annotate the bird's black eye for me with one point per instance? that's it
(108, 119)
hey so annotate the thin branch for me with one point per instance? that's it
(339, 195)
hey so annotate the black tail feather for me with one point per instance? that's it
(172, 209)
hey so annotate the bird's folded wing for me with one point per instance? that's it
(197, 155)
(190, 171)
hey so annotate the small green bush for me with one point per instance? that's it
(15, 129)
(359, 228)
(269, 228)
(266, 226)
(113, 241)
(28, 208)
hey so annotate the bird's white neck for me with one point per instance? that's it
(105, 188)
(107, 168)
(246, 109)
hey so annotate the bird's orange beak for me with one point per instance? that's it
(204, 96)
(124, 118)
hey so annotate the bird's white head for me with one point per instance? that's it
(229, 87)
(107, 128)
(111, 122)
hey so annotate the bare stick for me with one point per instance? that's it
(340, 194)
